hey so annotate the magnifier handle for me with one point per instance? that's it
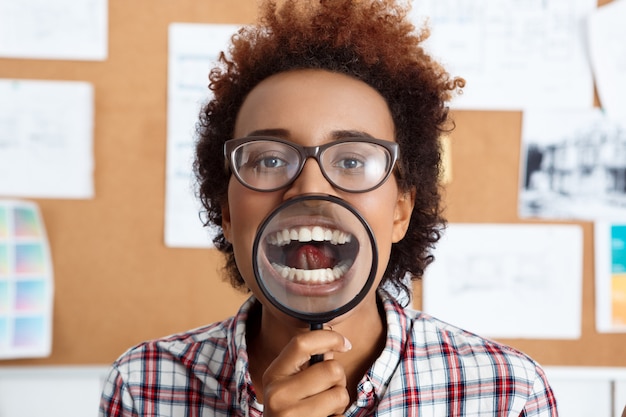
(316, 358)
(319, 357)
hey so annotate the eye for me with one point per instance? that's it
(349, 162)
(269, 161)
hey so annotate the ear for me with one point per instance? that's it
(402, 214)
(226, 225)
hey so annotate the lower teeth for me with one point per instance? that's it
(312, 276)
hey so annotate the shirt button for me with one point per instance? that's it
(367, 387)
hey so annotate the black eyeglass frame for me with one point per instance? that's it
(306, 152)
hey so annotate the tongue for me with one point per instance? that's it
(311, 257)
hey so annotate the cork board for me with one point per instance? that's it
(116, 283)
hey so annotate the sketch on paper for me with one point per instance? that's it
(513, 54)
(482, 268)
(46, 138)
(193, 50)
(60, 29)
(573, 165)
(508, 273)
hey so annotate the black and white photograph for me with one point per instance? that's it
(573, 165)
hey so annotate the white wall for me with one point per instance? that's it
(50, 391)
(75, 391)
(587, 392)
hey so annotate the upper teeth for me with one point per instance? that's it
(308, 234)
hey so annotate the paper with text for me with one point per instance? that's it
(59, 29)
(508, 280)
(46, 139)
(513, 54)
(193, 51)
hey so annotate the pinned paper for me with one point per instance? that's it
(46, 139)
(26, 282)
(60, 29)
(193, 50)
(572, 165)
(480, 269)
(610, 261)
(607, 34)
(538, 44)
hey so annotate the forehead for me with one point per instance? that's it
(312, 104)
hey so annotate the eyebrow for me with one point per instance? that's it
(335, 134)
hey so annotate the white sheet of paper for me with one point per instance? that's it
(607, 49)
(572, 165)
(508, 280)
(513, 54)
(59, 29)
(193, 51)
(46, 139)
(610, 279)
(26, 282)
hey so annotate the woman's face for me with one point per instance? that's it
(312, 108)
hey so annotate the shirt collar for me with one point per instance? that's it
(246, 397)
(384, 367)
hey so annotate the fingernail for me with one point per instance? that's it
(346, 344)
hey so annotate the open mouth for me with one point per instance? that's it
(311, 255)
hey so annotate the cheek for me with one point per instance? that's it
(378, 210)
(247, 209)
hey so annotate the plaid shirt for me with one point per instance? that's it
(428, 368)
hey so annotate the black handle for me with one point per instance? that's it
(318, 357)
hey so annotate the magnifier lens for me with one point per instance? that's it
(315, 257)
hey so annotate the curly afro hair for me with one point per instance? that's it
(370, 40)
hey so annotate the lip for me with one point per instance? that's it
(309, 231)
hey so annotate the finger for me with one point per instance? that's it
(308, 383)
(328, 403)
(293, 398)
(296, 355)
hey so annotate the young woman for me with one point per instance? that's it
(334, 98)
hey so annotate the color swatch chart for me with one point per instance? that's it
(618, 276)
(26, 282)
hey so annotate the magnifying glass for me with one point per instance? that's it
(315, 258)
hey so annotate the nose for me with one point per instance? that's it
(310, 181)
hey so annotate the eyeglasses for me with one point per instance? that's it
(353, 164)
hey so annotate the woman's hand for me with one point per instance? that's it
(292, 387)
